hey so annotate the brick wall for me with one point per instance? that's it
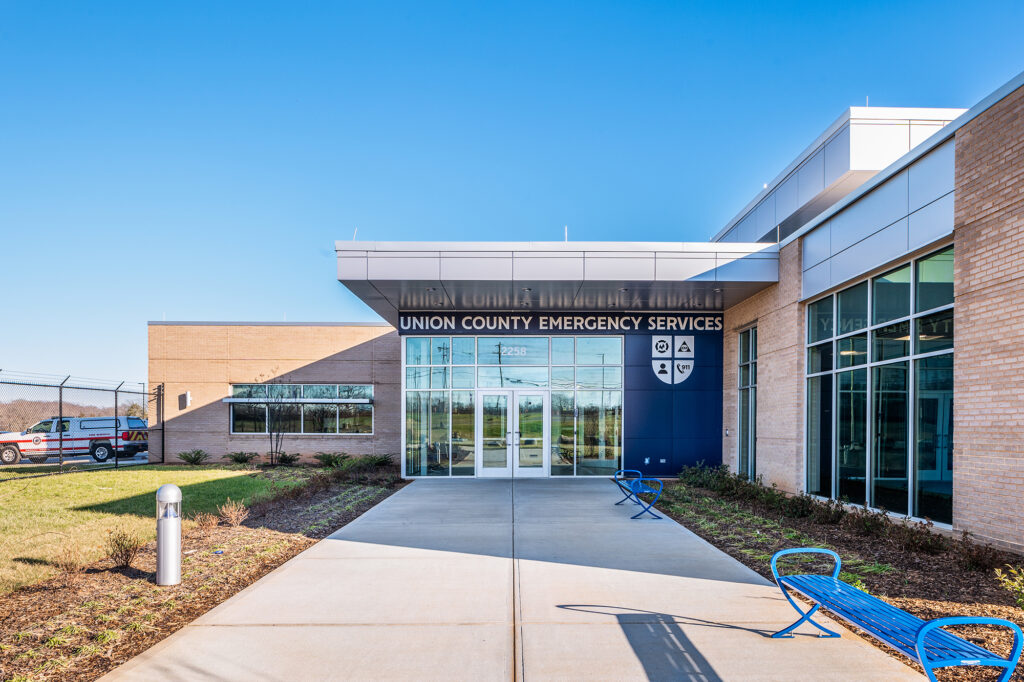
(206, 359)
(988, 374)
(780, 347)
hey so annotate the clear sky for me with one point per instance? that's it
(196, 161)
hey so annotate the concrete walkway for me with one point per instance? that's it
(502, 580)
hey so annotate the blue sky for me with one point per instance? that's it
(196, 161)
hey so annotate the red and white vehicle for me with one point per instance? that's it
(96, 436)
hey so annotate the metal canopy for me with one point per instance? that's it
(400, 277)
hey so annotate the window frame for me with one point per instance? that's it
(751, 388)
(301, 403)
(911, 359)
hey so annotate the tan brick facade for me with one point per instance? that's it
(205, 360)
(778, 315)
(988, 475)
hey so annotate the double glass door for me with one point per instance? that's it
(513, 433)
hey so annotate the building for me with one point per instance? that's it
(810, 342)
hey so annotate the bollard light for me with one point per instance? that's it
(168, 535)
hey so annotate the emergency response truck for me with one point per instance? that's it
(96, 436)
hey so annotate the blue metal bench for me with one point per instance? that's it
(633, 484)
(924, 641)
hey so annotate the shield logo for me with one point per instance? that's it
(672, 358)
(663, 369)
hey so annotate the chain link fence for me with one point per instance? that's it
(56, 424)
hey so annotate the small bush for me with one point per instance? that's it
(915, 536)
(205, 520)
(976, 556)
(1013, 580)
(241, 457)
(194, 457)
(829, 512)
(379, 461)
(71, 563)
(331, 460)
(233, 513)
(287, 459)
(123, 546)
(866, 521)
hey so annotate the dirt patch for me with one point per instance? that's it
(54, 630)
(928, 585)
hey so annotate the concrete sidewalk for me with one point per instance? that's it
(482, 580)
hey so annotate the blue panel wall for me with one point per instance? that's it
(669, 426)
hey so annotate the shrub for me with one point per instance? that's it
(287, 459)
(976, 556)
(123, 546)
(331, 460)
(242, 457)
(1013, 580)
(205, 520)
(866, 521)
(829, 512)
(71, 563)
(915, 536)
(379, 461)
(194, 457)
(233, 513)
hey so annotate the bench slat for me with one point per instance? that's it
(889, 624)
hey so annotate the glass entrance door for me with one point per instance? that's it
(513, 433)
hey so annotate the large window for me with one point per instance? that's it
(295, 409)
(582, 375)
(747, 419)
(880, 391)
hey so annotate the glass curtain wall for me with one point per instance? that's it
(583, 376)
(747, 418)
(880, 391)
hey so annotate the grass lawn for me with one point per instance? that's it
(40, 516)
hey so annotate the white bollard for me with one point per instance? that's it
(168, 535)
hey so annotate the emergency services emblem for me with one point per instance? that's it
(672, 358)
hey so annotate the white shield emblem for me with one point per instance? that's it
(672, 358)
(663, 369)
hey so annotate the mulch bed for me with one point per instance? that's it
(81, 627)
(928, 585)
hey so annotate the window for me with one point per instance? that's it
(880, 395)
(296, 409)
(746, 432)
(87, 424)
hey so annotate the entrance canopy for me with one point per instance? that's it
(400, 277)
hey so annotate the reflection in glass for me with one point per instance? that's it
(462, 377)
(352, 392)
(743, 466)
(598, 350)
(853, 308)
(562, 433)
(562, 350)
(463, 433)
(512, 350)
(851, 434)
(891, 295)
(417, 377)
(512, 377)
(745, 346)
(285, 391)
(439, 446)
(853, 350)
(934, 434)
(320, 418)
(819, 358)
(355, 418)
(819, 435)
(494, 432)
(598, 432)
(248, 418)
(440, 351)
(463, 350)
(249, 391)
(889, 445)
(935, 331)
(891, 342)
(285, 418)
(563, 377)
(598, 377)
(439, 377)
(320, 391)
(935, 281)
(417, 437)
(819, 320)
(417, 351)
(530, 436)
